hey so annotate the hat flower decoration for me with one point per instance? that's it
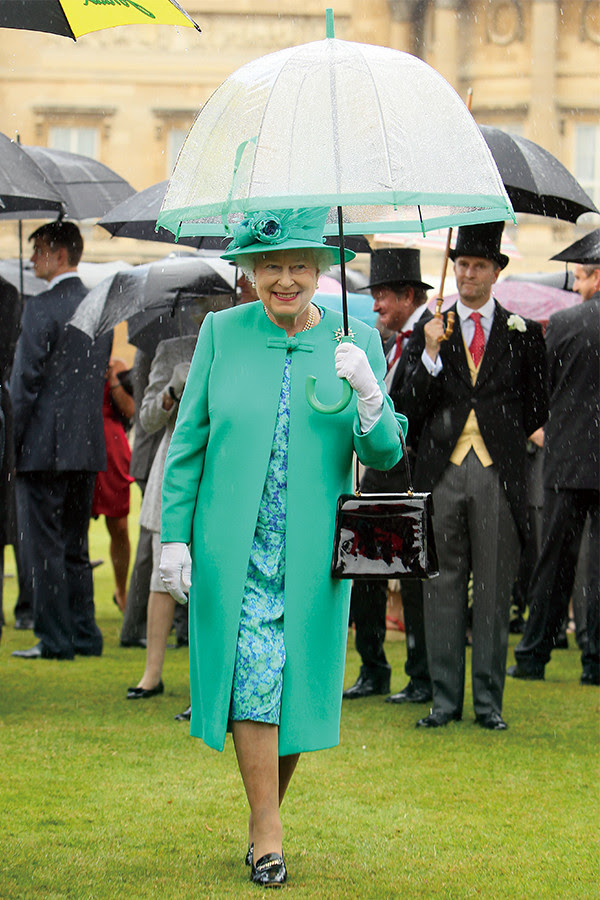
(516, 323)
(264, 227)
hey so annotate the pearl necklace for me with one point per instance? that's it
(309, 322)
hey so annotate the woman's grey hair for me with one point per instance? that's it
(321, 259)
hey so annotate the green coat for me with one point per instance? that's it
(213, 483)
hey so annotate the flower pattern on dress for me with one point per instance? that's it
(260, 655)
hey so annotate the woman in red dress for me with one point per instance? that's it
(111, 494)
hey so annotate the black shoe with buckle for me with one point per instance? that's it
(269, 871)
(140, 693)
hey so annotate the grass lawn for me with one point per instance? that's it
(104, 798)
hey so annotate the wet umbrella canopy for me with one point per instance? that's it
(329, 124)
(88, 187)
(73, 18)
(155, 286)
(585, 251)
(25, 192)
(535, 180)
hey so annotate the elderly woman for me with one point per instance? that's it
(251, 484)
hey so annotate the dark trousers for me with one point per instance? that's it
(53, 515)
(551, 585)
(474, 532)
(368, 606)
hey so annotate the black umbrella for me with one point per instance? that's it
(25, 192)
(535, 180)
(154, 286)
(585, 251)
(88, 187)
(136, 218)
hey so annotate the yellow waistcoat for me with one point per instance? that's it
(471, 435)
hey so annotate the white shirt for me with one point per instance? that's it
(58, 278)
(467, 326)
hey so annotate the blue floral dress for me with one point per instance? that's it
(260, 655)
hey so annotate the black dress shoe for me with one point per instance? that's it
(437, 719)
(140, 642)
(139, 693)
(185, 716)
(590, 678)
(269, 871)
(493, 721)
(24, 623)
(525, 674)
(249, 855)
(367, 685)
(39, 652)
(412, 693)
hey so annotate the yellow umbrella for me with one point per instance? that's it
(73, 18)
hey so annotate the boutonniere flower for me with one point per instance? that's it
(516, 323)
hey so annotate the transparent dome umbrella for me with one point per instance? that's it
(376, 135)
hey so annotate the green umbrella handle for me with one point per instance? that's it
(322, 407)
(342, 403)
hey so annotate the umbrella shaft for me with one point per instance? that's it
(343, 269)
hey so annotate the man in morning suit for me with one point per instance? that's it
(56, 389)
(571, 479)
(399, 296)
(476, 397)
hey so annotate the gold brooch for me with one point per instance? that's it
(338, 334)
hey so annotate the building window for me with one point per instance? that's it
(587, 159)
(175, 139)
(82, 140)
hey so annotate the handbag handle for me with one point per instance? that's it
(410, 489)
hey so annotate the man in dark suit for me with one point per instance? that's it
(571, 479)
(399, 296)
(477, 397)
(56, 389)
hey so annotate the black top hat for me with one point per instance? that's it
(480, 240)
(396, 266)
(585, 251)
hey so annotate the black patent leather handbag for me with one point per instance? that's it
(384, 536)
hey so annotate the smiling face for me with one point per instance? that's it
(285, 282)
(474, 279)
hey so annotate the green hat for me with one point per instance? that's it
(283, 229)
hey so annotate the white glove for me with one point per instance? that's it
(352, 364)
(176, 570)
(179, 378)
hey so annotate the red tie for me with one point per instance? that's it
(477, 345)
(398, 349)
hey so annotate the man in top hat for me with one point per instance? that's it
(571, 450)
(477, 397)
(399, 296)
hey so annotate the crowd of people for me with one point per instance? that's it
(240, 477)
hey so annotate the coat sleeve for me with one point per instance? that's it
(185, 459)
(536, 388)
(420, 391)
(39, 335)
(152, 415)
(380, 447)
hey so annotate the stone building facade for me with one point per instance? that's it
(127, 96)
